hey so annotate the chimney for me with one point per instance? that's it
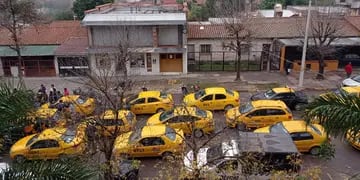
(278, 11)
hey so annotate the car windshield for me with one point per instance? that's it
(199, 94)
(278, 128)
(214, 152)
(356, 78)
(31, 140)
(166, 115)
(130, 98)
(69, 135)
(245, 108)
(80, 100)
(170, 133)
(269, 94)
(135, 135)
(200, 112)
(316, 130)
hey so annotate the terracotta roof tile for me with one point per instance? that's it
(74, 46)
(354, 20)
(56, 32)
(267, 28)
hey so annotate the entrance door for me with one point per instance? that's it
(171, 63)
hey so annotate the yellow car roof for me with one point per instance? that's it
(352, 89)
(144, 94)
(149, 131)
(212, 90)
(268, 103)
(52, 133)
(283, 90)
(108, 114)
(184, 110)
(295, 125)
(69, 98)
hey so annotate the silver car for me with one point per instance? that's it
(353, 81)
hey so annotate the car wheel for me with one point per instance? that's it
(241, 127)
(132, 176)
(227, 107)
(299, 106)
(198, 133)
(168, 156)
(160, 110)
(315, 150)
(19, 159)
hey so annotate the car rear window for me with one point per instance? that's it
(163, 95)
(80, 100)
(135, 135)
(69, 135)
(200, 112)
(170, 133)
(229, 92)
(316, 130)
(356, 78)
(246, 108)
(166, 115)
(269, 94)
(31, 140)
(278, 128)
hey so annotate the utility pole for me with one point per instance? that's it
(303, 57)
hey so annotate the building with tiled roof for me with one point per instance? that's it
(39, 44)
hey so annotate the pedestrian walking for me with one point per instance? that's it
(288, 68)
(42, 89)
(66, 92)
(348, 69)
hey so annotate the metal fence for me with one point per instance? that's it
(227, 61)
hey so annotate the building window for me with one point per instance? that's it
(137, 60)
(205, 48)
(103, 60)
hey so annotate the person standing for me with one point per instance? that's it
(66, 92)
(348, 70)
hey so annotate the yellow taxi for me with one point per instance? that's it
(307, 137)
(213, 98)
(354, 140)
(51, 143)
(150, 141)
(108, 123)
(77, 103)
(355, 91)
(149, 102)
(256, 114)
(42, 119)
(188, 119)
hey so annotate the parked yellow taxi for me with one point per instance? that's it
(51, 143)
(108, 123)
(77, 103)
(150, 141)
(42, 119)
(213, 98)
(149, 102)
(189, 119)
(354, 140)
(355, 91)
(307, 137)
(256, 114)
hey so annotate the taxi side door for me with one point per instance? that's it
(255, 118)
(45, 149)
(220, 101)
(273, 116)
(302, 140)
(206, 102)
(137, 106)
(152, 105)
(149, 146)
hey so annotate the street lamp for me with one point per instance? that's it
(302, 68)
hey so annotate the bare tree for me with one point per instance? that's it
(324, 31)
(237, 28)
(15, 15)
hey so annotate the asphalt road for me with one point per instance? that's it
(345, 164)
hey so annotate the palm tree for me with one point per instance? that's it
(338, 113)
(52, 170)
(15, 103)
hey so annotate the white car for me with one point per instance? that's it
(353, 81)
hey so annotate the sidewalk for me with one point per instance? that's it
(250, 81)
